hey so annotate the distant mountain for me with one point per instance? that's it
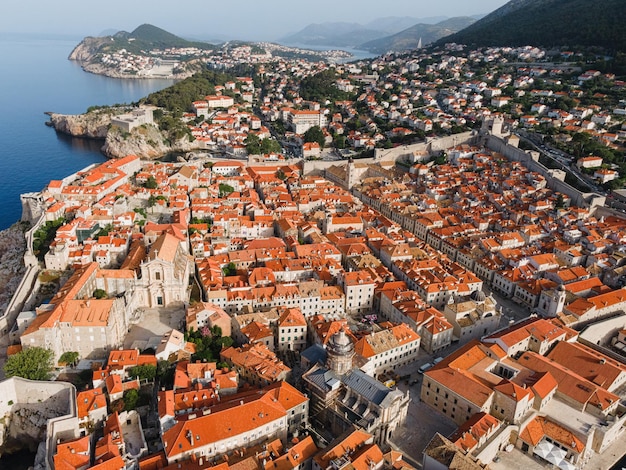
(333, 34)
(550, 23)
(410, 37)
(108, 32)
(395, 24)
(353, 34)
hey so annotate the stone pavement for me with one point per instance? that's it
(155, 322)
(421, 424)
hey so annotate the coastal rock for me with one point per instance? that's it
(12, 249)
(93, 125)
(145, 141)
(86, 49)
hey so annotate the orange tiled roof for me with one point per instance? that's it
(72, 455)
(592, 365)
(231, 421)
(89, 400)
(469, 435)
(570, 384)
(540, 427)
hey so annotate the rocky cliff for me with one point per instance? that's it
(86, 49)
(12, 249)
(146, 141)
(92, 125)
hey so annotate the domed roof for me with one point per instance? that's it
(478, 296)
(340, 343)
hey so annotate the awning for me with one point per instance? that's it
(553, 454)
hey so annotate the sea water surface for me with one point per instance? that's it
(35, 77)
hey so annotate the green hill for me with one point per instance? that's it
(144, 38)
(410, 37)
(549, 23)
(148, 36)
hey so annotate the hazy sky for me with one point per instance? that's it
(245, 19)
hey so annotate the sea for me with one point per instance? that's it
(36, 76)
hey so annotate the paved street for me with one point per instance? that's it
(421, 424)
(155, 322)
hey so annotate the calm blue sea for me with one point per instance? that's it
(35, 77)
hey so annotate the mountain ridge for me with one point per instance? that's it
(347, 34)
(410, 37)
(549, 23)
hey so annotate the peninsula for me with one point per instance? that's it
(151, 52)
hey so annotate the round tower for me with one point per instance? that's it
(340, 352)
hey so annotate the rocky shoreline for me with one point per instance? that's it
(145, 141)
(12, 269)
(89, 126)
(99, 69)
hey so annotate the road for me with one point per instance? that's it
(563, 160)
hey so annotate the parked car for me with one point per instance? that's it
(424, 368)
(437, 360)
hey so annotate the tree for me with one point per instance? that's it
(69, 357)
(100, 294)
(253, 144)
(33, 363)
(143, 372)
(225, 189)
(230, 269)
(340, 141)
(105, 230)
(560, 202)
(270, 146)
(44, 236)
(151, 183)
(131, 397)
(161, 368)
(315, 134)
(208, 343)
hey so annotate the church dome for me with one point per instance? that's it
(340, 343)
(478, 296)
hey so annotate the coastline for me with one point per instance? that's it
(12, 269)
(147, 140)
(111, 73)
